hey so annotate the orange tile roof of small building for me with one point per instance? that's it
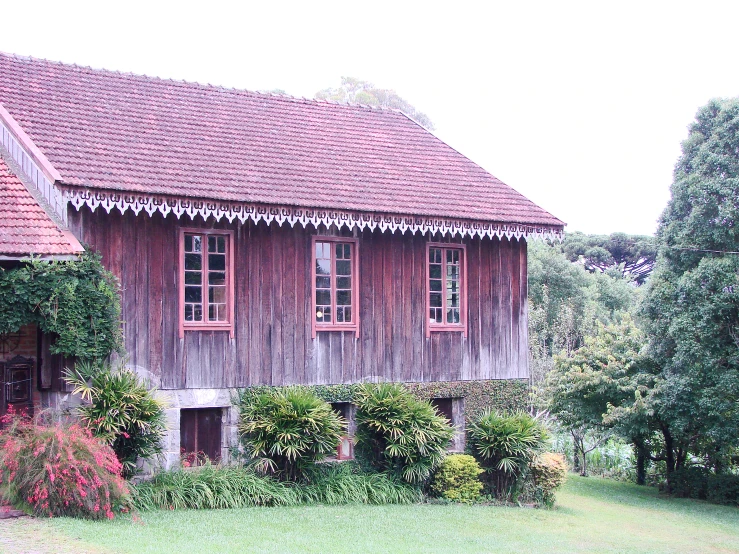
(25, 228)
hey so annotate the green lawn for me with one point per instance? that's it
(592, 515)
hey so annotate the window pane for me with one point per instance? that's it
(323, 282)
(217, 295)
(435, 271)
(452, 315)
(339, 315)
(339, 251)
(435, 300)
(347, 314)
(435, 255)
(212, 244)
(343, 267)
(193, 261)
(193, 278)
(323, 267)
(193, 243)
(343, 298)
(347, 251)
(222, 245)
(435, 285)
(343, 282)
(216, 278)
(323, 298)
(188, 312)
(193, 294)
(197, 311)
(217, 262)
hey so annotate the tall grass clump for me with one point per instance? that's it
(285, 431)
(214, 487)
(505, 445)
(211, 487)
(398, 433)
(345, 483)
(120, 409)
(56, 469)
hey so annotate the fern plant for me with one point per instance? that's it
(285, 431)
(505, 445)
(120, 409)
(399, 433)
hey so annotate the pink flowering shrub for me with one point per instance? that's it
(59, 469)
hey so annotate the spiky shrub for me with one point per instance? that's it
(59, 470)
(284, 431)
(458, 478)
(548, 473)
(121, 410)
(399, 433)
(505, 444)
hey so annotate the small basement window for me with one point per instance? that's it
(453, 410)
(345, 451)
(200, 435)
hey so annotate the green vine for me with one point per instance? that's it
(77, 301)
(507, 395)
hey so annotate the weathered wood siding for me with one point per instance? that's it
(272, 343)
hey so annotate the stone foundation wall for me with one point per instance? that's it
(176, 400)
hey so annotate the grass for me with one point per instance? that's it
(592, 515)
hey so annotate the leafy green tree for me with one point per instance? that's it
(355, 91)
(608, 373)
(692, 304)
(631, 255)
(566, 302)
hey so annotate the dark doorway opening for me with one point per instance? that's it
(200, 435)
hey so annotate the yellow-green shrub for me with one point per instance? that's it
(458, 478)
(549, 472)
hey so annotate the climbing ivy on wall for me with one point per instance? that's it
(77, 301)
(504, 395)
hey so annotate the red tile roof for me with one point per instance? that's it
(25, 228)
(102, 129)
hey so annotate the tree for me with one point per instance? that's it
(630, 255)
(355, 91)
(608, 373)
(692, 303)
(566, 302)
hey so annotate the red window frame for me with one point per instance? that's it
(334, 326)
(228, 324)
(462, 325)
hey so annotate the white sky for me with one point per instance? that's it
(581, 106)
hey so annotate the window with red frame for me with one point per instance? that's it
(446, 295)
(206, 280)
(335, 284)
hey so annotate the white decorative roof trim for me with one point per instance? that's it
(304, 216)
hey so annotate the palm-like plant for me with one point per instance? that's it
(285, 431)
(120, 409)
(398, 432)
(505, 445)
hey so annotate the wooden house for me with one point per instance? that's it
(271, 240)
